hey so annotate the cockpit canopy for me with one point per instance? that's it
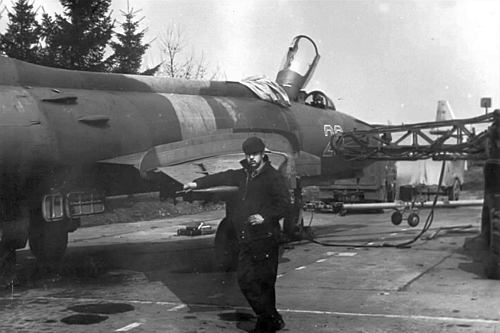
(296, 71)
(298, 66)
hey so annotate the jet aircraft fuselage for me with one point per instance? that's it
(56, 119)
(59, 127)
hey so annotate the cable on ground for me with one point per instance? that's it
(427, 225)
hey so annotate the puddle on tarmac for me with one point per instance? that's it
(83, 319)
(93, 313)
(102, 308)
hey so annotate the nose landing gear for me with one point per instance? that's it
(412, 217)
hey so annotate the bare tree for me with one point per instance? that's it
(178, 62)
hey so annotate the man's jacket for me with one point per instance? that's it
(264, 193)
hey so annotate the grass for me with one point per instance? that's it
(145, 207)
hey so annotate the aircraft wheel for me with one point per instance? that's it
(491, 267)
(413, 219)
(396, 218)
(492, 262)
(281, 251)
(14, 225)
(293, 223)
(7, 262)
(454, 192)
(226, 246)
(48, 240)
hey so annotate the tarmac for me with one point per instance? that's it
(143, 277)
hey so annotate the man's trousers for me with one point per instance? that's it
(257, 271)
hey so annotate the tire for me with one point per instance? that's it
(293, 223)
(13, 236)
(7, 259)
(413, 220)
(48, 240)
(491, 267)
(281, 251)
(486, 223)
(454, 191)
(226, 246)
(492, 262)
(396, 218)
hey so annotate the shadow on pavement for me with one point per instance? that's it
(180, 271)
(476, 249)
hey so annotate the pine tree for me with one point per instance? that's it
(21, 39)
(49, 53)
(129, 49)
(78, 38)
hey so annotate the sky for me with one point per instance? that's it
(381, 61)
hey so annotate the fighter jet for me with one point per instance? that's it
(69, 138)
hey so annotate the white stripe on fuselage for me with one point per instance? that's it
(195, 115)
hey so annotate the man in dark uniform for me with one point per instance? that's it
(263, 199)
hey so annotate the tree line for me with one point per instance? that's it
(84, 37)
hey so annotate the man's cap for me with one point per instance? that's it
(253, 145)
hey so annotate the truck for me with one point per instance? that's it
(418, 181)
(377, 184)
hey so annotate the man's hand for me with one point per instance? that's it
(255, 219)
(189, 186)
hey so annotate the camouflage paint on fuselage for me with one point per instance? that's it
(42, 108)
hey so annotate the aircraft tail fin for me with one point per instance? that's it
(444, 112)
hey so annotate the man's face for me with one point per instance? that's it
(255, 159)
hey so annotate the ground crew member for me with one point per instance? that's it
(263, 199)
